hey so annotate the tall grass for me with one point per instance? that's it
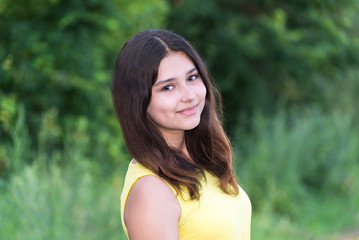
(302, 167)
(60, 204)
(60, 193)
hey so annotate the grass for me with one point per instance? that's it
(300, 170)
(60, 204)
(74, 204)
(322, 218)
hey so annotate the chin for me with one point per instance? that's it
(191, 126)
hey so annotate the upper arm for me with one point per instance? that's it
(151, 210)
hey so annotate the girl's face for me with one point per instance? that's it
(178, 95)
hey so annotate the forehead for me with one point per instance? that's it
(174, 64)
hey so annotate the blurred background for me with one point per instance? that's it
(289, 75)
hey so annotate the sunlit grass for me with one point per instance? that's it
(60, 204)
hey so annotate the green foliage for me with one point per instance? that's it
(306, 161)
(289, 157)
(60, 204)
(62, 155)
(7, 112)
(321, 218)
(62, 194)
(342, 93)
(20, 152)
(265, 52)
(56, 59)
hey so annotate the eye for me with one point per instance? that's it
(192, 77)
(167, 88)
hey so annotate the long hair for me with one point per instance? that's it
(135, 73)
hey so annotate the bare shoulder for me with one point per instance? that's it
(152, 210)
(149, 190)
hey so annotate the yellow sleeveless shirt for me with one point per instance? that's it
(216, 215)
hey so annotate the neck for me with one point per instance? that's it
(175, 139)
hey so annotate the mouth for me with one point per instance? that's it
(189, 111)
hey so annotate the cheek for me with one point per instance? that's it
(158, 107)
(201, 91)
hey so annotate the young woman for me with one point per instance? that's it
(180, 183)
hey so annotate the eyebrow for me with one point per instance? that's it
(171, 79)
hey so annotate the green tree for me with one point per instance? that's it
(263, 53)
(57, 58)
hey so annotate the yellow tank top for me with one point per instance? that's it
(215, 216)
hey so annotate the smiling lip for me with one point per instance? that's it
(189, 111)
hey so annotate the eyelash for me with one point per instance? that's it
(194, 76)
(166, 88)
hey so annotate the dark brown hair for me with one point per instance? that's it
(135, 73)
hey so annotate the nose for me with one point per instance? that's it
(187, 93)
